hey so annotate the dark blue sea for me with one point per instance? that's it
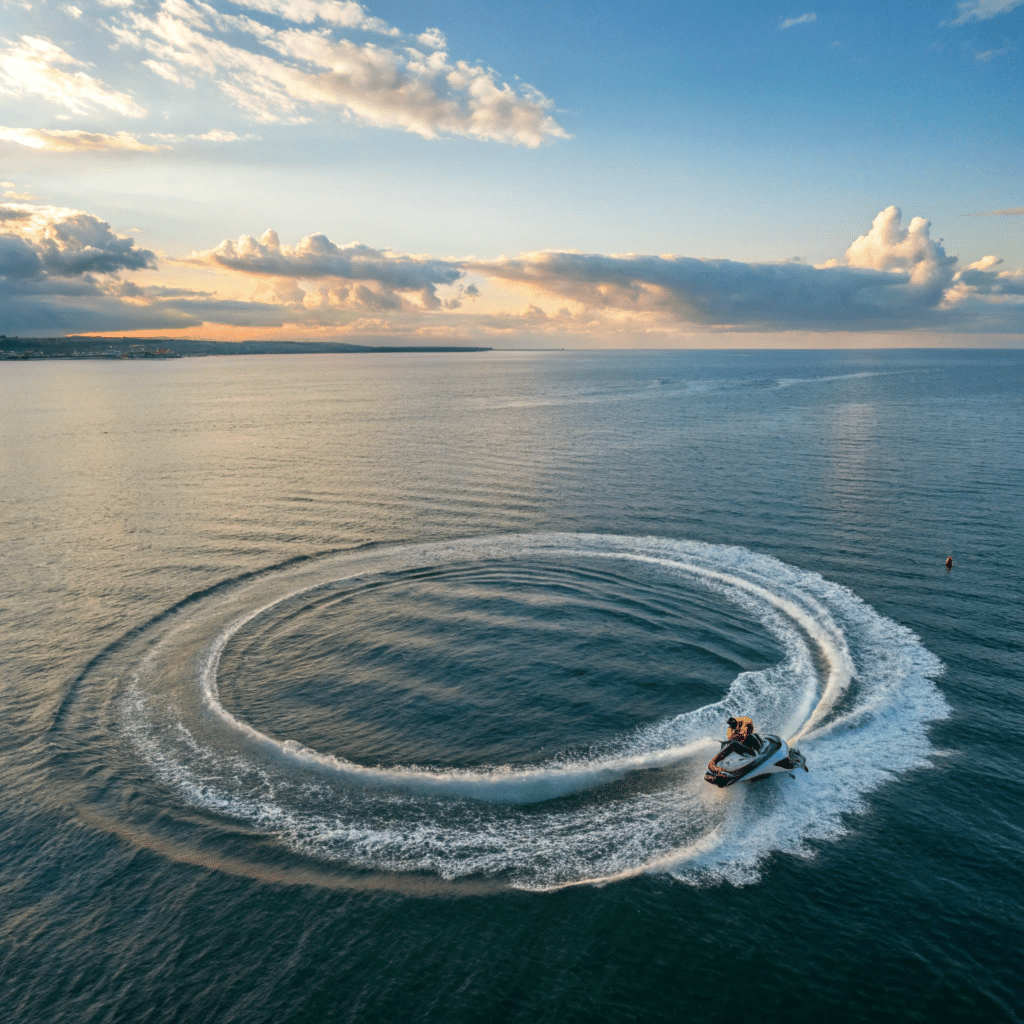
(380, 688)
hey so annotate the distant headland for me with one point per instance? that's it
(76, 347)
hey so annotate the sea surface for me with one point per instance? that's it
(379, 688)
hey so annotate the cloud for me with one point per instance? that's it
(1002, 51)
(1016, 211)
(66, 269)
(282, 73)
(35, 66)
(354, 276)
(982, 10)
(218, 135)
(168, 71)
(213, 135)
(70, 243)
(980, 278)
(433, 38)
(60, 271)
(342, 13)
(891, 278)
(910, 250)
(73, 140)
(803, 19)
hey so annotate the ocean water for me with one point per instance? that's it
(380, 688)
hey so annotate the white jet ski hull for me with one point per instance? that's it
(775, 757)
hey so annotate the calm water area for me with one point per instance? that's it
(379, 688)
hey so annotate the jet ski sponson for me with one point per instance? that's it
(731, 765)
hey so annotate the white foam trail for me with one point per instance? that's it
(788, 382)
(504, 784)
(459, 822)
(809, 615)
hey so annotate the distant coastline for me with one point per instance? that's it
(76, 347)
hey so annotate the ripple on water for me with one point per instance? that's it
(288, 706)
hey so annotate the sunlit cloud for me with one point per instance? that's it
(433, 39)
(35, 66)
(284, 74)
(60, 271)
(213, 135)
(351, 276)
(55, 140)
(63, 242)
(342, 13)
(893, 278)
(981, 278)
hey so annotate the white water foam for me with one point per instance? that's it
(853, 688)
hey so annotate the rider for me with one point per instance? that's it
(741, 736)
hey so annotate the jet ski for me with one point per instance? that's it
(773, 756)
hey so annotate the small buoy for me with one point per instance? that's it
(949, 562)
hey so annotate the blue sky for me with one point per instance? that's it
(645, 174)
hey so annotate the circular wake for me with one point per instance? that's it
(851, 686)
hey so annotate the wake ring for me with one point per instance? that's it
(849, 684)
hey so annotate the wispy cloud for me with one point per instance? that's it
(213, 135)
(73, 140)
(284, 73)
(803, 19)
(982, 10)
(1002, 51)
(36, 66)
(1015, 211)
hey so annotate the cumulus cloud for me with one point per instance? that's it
(981, 278)
(433, 38)
(73, 140)
(910, 250)
(891, 278)
(982, 10)
(353, 276)
(803, 19)
(343, 13)
(282, 73)
(36, 66)
(60, 271)
(70, 243)
(57, 263)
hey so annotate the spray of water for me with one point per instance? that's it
(852, 687)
